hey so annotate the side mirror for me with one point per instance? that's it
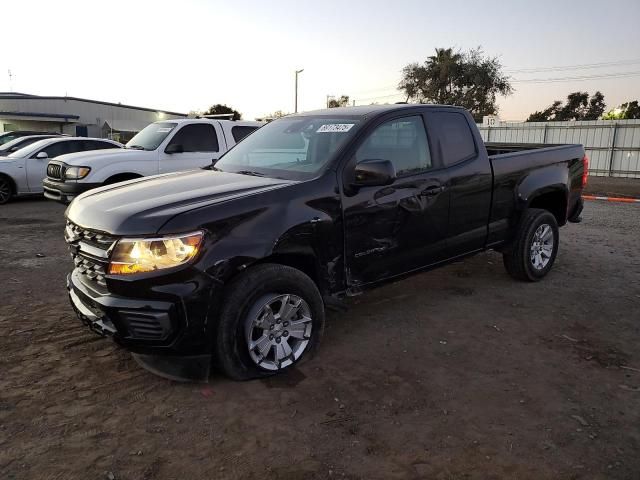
(42, 155)
(374, 173)
(174, 148)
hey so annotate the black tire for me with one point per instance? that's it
(6, 189)
(518, 257)
(242, 298)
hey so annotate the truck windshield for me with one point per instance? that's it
(293, 148)
(151, 136)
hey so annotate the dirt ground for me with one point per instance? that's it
(460, 373)
(613, 187)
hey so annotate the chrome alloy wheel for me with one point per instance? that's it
(278, 330)
(542, 246)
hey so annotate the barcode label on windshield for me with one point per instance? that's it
(335, 127)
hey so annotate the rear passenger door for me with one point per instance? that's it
(193, 146)
(470, 180)
(393, 229)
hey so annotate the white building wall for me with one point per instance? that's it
(91, 114)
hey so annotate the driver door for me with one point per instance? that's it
(397, 228)
(193, 146)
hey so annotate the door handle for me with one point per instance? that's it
(432, 190)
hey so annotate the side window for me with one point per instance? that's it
(454, 135)
(56, 149)
(241, 131)
(97, 145)
(403, 141)
(198, 137)
(76, 146)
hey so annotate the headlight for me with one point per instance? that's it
(76, 173)
(150, 254)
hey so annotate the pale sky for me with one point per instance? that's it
(186, 55)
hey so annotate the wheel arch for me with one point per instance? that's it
(11, 181)
(306, 262)
(554, 200)
(121, 177)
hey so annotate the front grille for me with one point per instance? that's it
(90, 252)
(55, 171)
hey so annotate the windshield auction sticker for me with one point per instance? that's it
(335, 127)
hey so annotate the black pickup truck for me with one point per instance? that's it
(232, 266)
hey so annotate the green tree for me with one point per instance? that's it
(546, 114)
(468, 79)
(626, 111)
(596, 107)
(341, 101)
(219, 109)
(578, 106)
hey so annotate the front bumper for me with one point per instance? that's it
(65, 192)
(168, 333)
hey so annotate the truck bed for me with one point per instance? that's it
(496, 148)
(515, 165)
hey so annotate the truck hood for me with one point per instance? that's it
(143, 205)
(81, 159)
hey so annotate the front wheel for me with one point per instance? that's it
(535, 246)
(6, 190)
(271, 319)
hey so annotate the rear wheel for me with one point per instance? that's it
(6, 190)
(271, 319)
(534, 248)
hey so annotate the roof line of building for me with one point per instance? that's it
(26, 96)
(39, 114)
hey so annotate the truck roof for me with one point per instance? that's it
(369, 109)
(210, 120)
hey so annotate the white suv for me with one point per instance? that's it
(161, 147)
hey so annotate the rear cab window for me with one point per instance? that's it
(454, 136)
(240, 131)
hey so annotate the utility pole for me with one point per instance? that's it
(10, 81)
(296, 102)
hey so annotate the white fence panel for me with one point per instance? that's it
(613, 147)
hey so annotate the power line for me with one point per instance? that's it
(585, 66)
(399, 94)
(578, 78)
(558, 68)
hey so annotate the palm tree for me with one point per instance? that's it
(442, 69)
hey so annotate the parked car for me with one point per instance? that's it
(8, 136)
(22, 172)
(232, 266)
(161, 147)
(21, 142)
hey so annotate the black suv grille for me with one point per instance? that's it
(90, 251)
(55, 171)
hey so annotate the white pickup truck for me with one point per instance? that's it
(161, 147)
